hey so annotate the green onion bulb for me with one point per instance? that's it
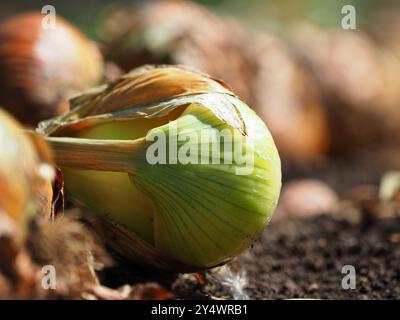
(175, 157)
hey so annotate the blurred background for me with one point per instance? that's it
(330, 96)
(263, 14)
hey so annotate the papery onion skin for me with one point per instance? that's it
(199, 214)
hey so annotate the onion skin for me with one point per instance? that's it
(41, 68)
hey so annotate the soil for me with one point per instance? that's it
(304, 259)
(297, 258)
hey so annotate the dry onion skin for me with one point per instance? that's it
(20, 173)
(40, 68)
(201, 215)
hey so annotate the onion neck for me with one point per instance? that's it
(93, 154)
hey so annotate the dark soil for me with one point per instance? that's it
(304, 259)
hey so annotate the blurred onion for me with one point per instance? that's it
(40, 68)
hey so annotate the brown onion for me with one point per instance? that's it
(41, 67)
(359, 81)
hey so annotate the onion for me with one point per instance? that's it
(191, 205)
